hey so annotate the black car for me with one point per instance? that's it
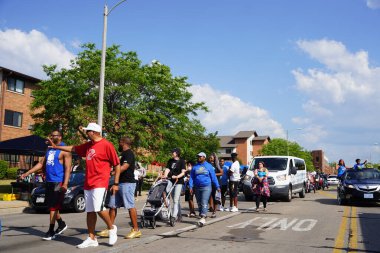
(359, 185)
(74, 197)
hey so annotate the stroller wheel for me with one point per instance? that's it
(142, 223)
(153, 223)
(172, 221)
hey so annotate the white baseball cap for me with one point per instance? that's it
(93, 127)
(202, 154)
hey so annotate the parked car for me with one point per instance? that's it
(287, 176)
(333, 180)
(74, 196)
(359, 185)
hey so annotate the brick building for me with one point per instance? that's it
(321, 162)
(15, 99)
(246, 143)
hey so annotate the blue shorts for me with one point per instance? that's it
(125, 196)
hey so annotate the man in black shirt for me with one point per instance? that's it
(127, 185)
(175, 172)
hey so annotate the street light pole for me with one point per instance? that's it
(103, 63)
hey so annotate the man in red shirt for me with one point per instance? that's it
(100, 155)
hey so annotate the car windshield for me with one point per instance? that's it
(363, 175)
(332, 177)
(76, 179)
(272, 164)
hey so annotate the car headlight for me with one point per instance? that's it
(281, 177)
(350, 186)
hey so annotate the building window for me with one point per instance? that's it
(317, 159)
(16, 85)
(13, 118)
(228, 151)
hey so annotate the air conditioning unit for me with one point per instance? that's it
(30, 127)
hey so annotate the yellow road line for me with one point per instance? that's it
(353, 244)
(328, 194)
(339, 240)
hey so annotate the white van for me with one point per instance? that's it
(287, 175)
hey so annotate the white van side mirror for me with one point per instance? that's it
(293, 170)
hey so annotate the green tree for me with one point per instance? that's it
(145, 102)
(279, 146)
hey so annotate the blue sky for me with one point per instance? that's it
(264, 65)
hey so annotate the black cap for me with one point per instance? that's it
(234, 154)
(177, 150)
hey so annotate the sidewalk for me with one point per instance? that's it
(14, 206)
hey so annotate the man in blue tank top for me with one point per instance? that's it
(57, 170)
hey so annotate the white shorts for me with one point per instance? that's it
(95, 199)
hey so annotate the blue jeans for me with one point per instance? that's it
(176, 204)
(202, 194)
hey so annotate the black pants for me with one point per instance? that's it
(259, 198)
(139, 184)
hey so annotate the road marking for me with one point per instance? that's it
(327, 194)
(339, 240)
(271, 223)
(267, 223)
(300, 226)
(283, 223)
(353, 239)
(244, 224)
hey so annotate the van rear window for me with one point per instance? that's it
(272, 164)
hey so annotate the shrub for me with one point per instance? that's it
(151, 175)
(12, 173)
(3, 169)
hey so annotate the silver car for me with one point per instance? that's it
(333, 180)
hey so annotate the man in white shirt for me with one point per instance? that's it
(233, 184)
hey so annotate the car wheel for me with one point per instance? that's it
(79, 203)
(303, 192)
(290, 195)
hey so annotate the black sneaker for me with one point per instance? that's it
(50, 235)
(60, 229)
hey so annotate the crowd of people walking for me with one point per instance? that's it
(209, 180)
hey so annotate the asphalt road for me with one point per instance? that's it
(313, 224)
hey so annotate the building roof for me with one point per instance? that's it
(10, 71)
(262, 138)
(245, 134)
(227, 141)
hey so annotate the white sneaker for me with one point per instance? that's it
(201, 222)
(88, 243)
(234, 209)
(221, 208)
(112, 235)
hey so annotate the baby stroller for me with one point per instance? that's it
(157, 205)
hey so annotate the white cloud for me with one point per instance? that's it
(301, 121)
(345, 75)
(373, 4)
(341, 99)
(229, 115)
(314, 108)
(26, 52)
